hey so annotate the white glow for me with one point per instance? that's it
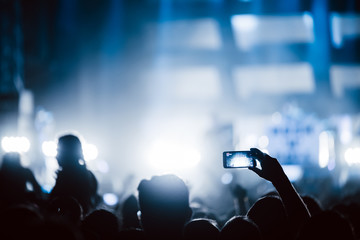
(90, 152)
(49, 148)
(250, 30)
(273, 79)
(294, 172)
(244, 23)
(168, 156)
(352, 156)
(110, 199)
(323, 150)
(15, 144)
(263, 142)
(344, 26)
(227, 178)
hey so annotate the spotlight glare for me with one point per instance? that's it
(90, 152)
(352, 156)
(49, 148)
(110, 199)
(226, 178)
(168, 156)
(15, 144)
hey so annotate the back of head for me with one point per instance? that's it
(270, 216)
(102, 222)
(66, 207)
(129, 213)
(327, 225)
(164, 205)
(10, 161)
(201, 229)
(69, 150)
(239, 227)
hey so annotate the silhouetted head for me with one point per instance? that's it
(201, 229)
(69, 151)
(66, 207)
(327, 225)
(240, 227)
(270, 216)
(103, 223)
(164, 205)
(129, 213)
(10, 161)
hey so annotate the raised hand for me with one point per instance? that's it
(270, 170)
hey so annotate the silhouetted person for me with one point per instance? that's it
(67, 208)
(102, 223)
(129, 213)
(164, 206)
(73, 178)
(201, 229)
(269, 214)
(312, 204)
(240, 227)
(15, 180)
(295, 209)
(327, 225)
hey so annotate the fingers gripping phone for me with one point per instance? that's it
(238, 159)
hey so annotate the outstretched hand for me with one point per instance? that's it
(271, 169)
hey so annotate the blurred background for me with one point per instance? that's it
(165, 86)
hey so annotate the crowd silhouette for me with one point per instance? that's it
(72, 210)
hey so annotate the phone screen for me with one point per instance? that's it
(238, 159)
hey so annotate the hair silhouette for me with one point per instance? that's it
(164, 205)
(201, 229)
(240, 227)
(73, 178)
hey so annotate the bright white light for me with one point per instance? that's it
(308, 20)
(227, 178)
(323, 150)
(294, 172)
(15, 144)
(263, 142)
(49, 148)
(90, 152)
(110, 199)
(352, 156)
(168, 156)
(244, 23)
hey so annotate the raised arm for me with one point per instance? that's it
(272, 171)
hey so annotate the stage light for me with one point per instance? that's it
(245, 22)
(110, 199)
(49, 148)
(352, 156)
(90, 152)
(168, 156)
(227, 178)
(15, 144)
(293, 172)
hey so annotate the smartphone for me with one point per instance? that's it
(238, 159)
